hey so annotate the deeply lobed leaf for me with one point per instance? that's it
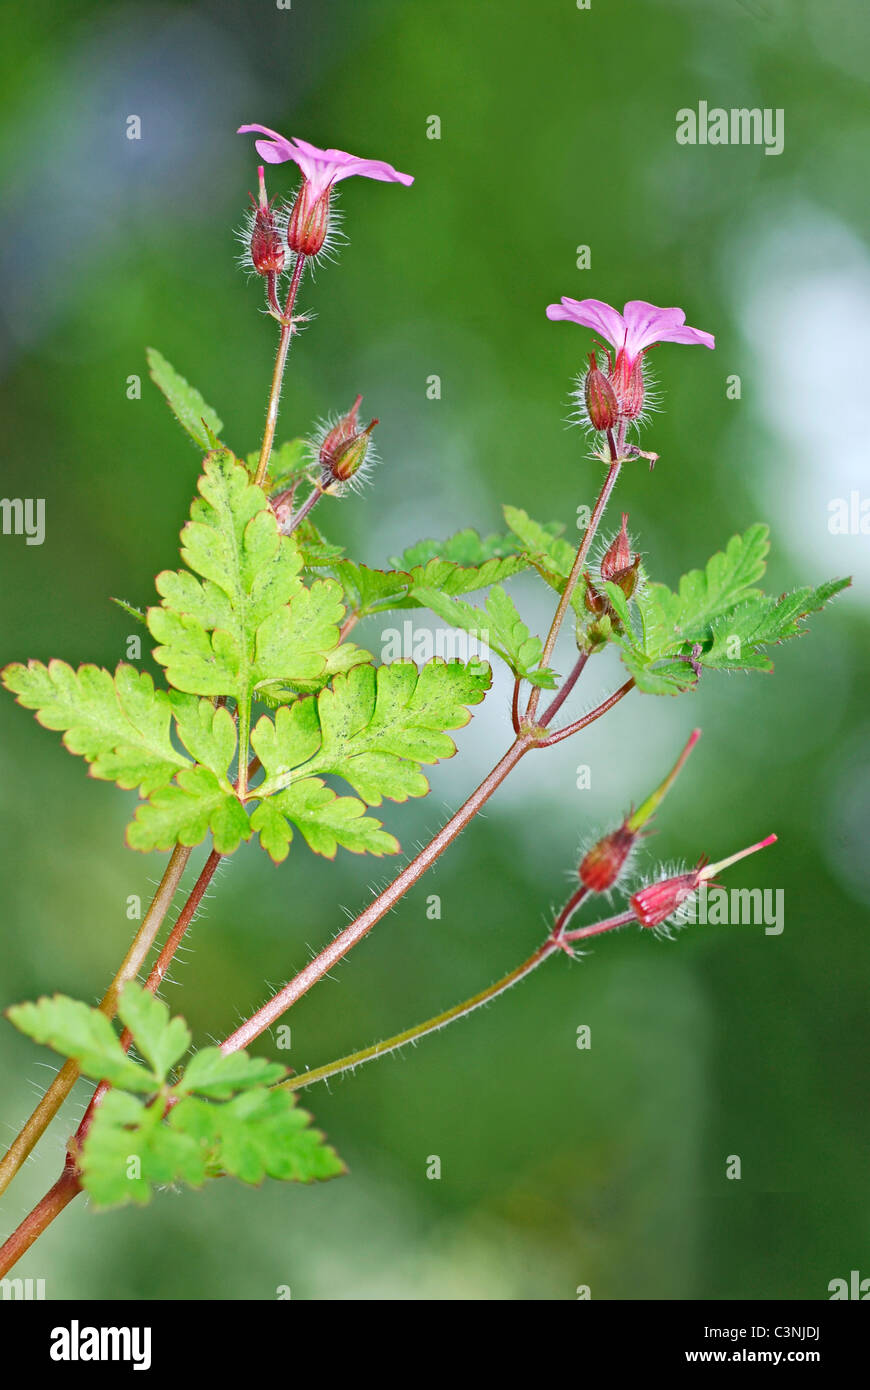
(119, 724)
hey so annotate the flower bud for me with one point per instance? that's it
(618, 554)
(282, 506)
(345, 448)
(601, 403)
(594, 600)
(618, 564)
(267, 251)
(626, 379)
(309, 221)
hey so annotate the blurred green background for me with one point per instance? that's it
(560, 1167)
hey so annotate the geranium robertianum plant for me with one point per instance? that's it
(267, 704)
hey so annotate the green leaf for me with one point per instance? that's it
(119, 724)
(129, 1148)
(185, 402)
(207, 732)
(377, 726)
(261, 1133)
(465, 548)
(380, 591)
(184, 812)
(132, 1147)
(75, 1030)
(739, 636)
(619, 603)
(552, 556)
(670, 677)
(249, 619)
(498, 626)
(289, 741)
(210, 1073)
(325, 819)
(717, 617)
(160, 1040)
(316, 551)
(130, 608)
(672, 619)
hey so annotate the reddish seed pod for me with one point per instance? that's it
(659, 901)
(601, 866)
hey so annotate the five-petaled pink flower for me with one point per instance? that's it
(322, 168)
(631, 334)
(635, 329)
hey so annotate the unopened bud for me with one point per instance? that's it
(618, 564)
(345, 448)
(267, 250)
(617, 556)
(601, 403)
(594, 600)
(309, 221)
(627, 578)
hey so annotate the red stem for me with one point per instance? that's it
(33, 1225)
(515, 706)
(590, 717)
(323, 963)
(567, 686)
(155, 979)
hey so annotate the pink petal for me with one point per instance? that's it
(591, 313)
(648, 324)
(693, 336)
(321, 167)
(645, 323)
(275, 150)
(376, 169)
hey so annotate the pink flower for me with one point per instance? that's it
(635, 329)
(631, 334)
(322, 168)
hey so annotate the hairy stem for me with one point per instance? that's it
(412, 1035)
(316, 969)
(298, 517)
(278, 375)
(23, 1145)
(370, 1054)
(622, 919)
(567, 686)
(590, 717)
(33, 1225)
(158, 972)
(579, 561)
(69, 1183)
